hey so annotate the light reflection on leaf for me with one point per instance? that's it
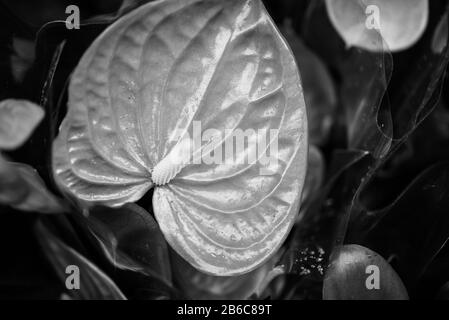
(347, 277)
(420, 93)
(315, 175)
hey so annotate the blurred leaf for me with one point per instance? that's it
(415, 100)
(10, 27)
(18, 119)
(365, 80)
(22, 188)
(420, 91)
(94, 284)
(429, 144)
(131, 239)
(440, 36)
(401, 22)
(354, 269)
(443, 294)
(318, 86)
(316, 26)
(22, 57)
(57, 53)
(200, 286)
(314, 176)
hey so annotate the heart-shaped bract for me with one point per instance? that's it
(135, 98)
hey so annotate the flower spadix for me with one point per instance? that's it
(134, 99)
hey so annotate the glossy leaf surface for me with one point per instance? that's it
(139, 90)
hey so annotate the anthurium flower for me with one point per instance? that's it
(202, 100)
(401, 23)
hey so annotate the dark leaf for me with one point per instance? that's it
(368, 118)
(314, 176)
(132, 240)
(440, 36)
(414, 228)
(358, 273)
(201, 286)
(318, 86)
(94, 284)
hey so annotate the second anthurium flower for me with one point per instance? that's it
(164, 94)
